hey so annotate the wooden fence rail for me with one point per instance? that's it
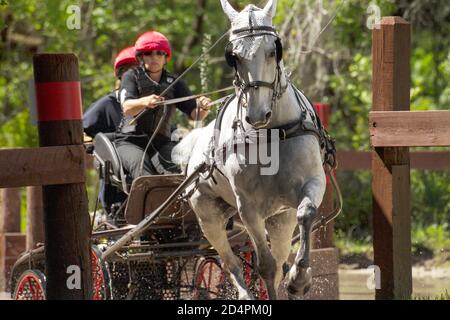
(42, 166)
(410, 129)
(421, 160)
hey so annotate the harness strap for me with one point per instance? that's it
(294, 129)
(300, 129)
(257, 84)
(326, 142)
(251, 29)
(218, 124)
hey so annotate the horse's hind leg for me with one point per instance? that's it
(266, 263)
(213, 214)
(300, 275)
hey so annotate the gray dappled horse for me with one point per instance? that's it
(269, 205)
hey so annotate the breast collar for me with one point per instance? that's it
(294, 129)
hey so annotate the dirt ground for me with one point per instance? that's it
(427, 283)
(4, 296)
(429, 280)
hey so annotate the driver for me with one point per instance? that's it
(140, 89)
(104, 115)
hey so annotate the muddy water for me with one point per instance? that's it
(426, 283)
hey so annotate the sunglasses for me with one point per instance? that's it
(155, 53)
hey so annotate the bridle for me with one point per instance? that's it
(240, 83)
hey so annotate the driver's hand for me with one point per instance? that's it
(203, 102)
(150, 101)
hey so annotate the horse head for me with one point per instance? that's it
(255, 51)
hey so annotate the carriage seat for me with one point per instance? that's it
(107, 156)
(149, 192)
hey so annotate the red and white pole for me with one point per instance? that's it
(66, 217)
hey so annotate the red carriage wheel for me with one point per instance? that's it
(100, 276)
(252, 278)
(31, 286)
(260, 288)
(209, 280)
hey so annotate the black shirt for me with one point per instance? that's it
(104, 115)
(136, 84)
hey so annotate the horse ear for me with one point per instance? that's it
(228, 9)
(270, 8)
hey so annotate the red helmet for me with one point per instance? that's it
(153, 40)
(126, 56)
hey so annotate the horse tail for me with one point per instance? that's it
(181, 153)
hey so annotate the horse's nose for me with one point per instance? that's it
(262, 123)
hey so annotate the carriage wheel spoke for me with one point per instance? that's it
(30, 284)
(209, 279)
(203, 280)
(210, 274)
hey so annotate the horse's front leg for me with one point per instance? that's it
(300, 274)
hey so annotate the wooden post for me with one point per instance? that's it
(66, 216)
(10, 210)
(35, 217)
(9, 225)
(390, 166)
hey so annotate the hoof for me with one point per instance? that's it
(299, 282)
(294, 293)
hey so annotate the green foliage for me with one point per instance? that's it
(430, 197)
(430, 75)
(23, 210)
(204, 64)
(355, 221)
(19, 132)
(442, 296)
(348, 245)
(106, 28)
(353, 98)
(433, 237)
(92, 189)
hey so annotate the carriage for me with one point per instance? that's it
(154, 250)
